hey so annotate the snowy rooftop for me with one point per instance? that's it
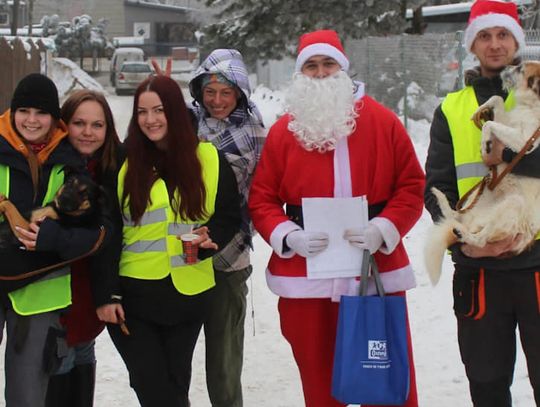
(157, 5)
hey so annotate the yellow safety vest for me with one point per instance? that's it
(54, 290)
(151, 250)
(458, 107)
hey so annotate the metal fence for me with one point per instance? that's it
(402, 71)
(18, 60)
(388, 64)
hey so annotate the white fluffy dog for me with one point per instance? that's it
(510, 208)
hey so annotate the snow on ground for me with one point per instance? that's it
(270, 377)
(68, 76)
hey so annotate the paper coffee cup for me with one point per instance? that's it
(190, 250)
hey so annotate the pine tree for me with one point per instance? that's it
(270, 29)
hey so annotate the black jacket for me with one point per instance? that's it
(441, 173)
(54, 243)
(104, 264)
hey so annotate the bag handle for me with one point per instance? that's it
(368, 263)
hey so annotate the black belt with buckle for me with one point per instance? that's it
(294, 212)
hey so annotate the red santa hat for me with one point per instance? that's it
(493, 13)
(322, 42)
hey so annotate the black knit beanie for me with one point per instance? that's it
(37, 91)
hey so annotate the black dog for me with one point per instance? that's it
(77, 203)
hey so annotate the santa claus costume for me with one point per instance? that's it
(376, 160)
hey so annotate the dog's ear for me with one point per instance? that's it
(70, 171)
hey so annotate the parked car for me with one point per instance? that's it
(131, 74)
(122, 55)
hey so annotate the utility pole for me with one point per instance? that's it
(15, 17)
(30, 4)
(418, 25)
(536, 15)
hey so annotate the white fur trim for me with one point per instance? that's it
(389, 233)
(321, 49)
(360, 90)
(494, 20)
(277, 236)
(300, 287)
(342, 170)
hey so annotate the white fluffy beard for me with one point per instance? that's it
(322, 110)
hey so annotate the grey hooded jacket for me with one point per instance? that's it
(240, 137)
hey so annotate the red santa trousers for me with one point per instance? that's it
(309, 325)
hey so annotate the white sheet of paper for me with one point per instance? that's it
(333, 216)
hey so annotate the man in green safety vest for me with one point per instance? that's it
(494, 291)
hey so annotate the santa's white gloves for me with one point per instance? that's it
(366, 238)
(307, 244)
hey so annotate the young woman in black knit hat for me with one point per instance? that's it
(34, 150)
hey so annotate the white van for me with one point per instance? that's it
(122, 55)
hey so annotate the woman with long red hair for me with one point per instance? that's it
(171, 184)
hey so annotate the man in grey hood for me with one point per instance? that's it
(228, 119)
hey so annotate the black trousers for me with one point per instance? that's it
(489, 306)
(158, 353)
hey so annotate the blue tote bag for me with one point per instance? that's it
(371, 364)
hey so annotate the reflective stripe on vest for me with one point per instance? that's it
(458, 108)
(54, 290)
(151, 250)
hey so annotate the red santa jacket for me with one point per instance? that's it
(383, 166)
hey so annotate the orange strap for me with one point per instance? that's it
(481, 296)
(471, 311)
(526, 148)
(492, 179)
(481, 292)
(480, 187)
